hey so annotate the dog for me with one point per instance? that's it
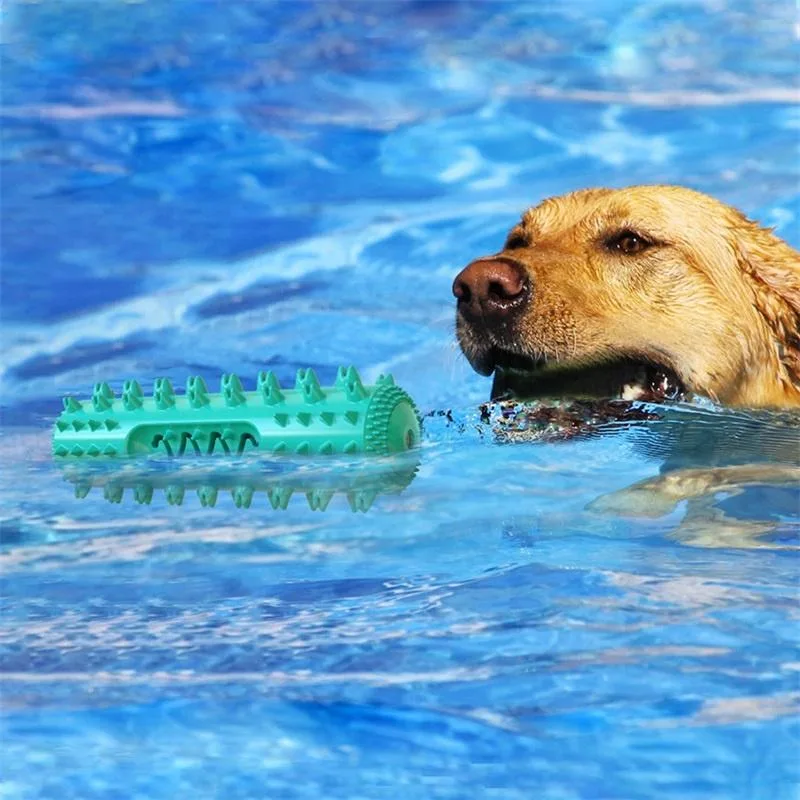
(650, 293)
(647, 292)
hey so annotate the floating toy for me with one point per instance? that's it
(347, 418)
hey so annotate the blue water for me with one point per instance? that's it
(204, 187)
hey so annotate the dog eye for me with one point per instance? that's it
(628, 243)
(516, 241)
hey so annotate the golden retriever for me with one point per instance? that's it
(642, 292)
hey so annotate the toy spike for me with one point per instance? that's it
(279, 496)
(113, 493)
(347, 418)
(242, 496)
(196, 392)
(232, 390)
(143, 494)
(361, 501)
(349, 381)
(269, 388)
(207, 495)
(132, 395)
(175, 494)
(102, 397)
(308, 384)
(163, 393)
(318, 499)
(228, 436)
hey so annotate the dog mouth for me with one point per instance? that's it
(519, 377)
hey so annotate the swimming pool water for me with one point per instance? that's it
(205, 187)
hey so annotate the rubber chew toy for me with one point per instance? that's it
(347, 418)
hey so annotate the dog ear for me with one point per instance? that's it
(773, 268)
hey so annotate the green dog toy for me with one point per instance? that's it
(347, 418)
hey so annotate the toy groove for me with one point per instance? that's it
(347, 418)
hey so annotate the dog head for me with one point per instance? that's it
(621, 292)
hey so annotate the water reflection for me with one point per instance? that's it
(360, 481)
(734, 475)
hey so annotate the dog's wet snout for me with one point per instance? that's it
(491, 289)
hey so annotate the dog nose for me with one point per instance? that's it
(491, 289)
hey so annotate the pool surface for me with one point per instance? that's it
(207, 187)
